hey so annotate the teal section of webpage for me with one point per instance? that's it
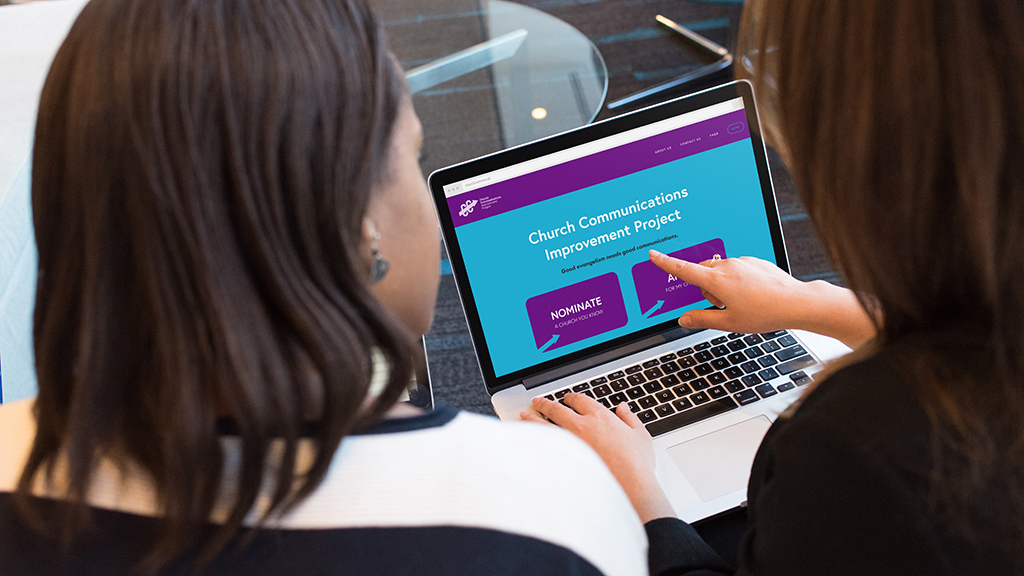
(724, 200)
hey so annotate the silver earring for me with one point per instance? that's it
(380, 265)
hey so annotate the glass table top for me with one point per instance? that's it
(492, 74)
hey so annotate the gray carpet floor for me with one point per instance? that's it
(638, 54)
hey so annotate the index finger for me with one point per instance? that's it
(686, 271)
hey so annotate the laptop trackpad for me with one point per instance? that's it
(719, 463)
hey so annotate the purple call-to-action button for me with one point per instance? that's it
(659, 292)
(577, 312)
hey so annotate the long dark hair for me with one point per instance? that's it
(201, 173)
(903, 124)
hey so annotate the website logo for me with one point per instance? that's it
(467, 207)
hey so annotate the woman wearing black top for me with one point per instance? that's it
(903, 125)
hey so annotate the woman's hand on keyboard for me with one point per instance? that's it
(754, 295)
(621, 441)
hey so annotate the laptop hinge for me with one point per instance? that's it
(605, 357)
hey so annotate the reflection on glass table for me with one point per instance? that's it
(493, 74)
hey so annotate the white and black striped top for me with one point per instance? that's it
(445, 492)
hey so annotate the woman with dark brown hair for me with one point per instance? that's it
(237, 254)
(903, 124)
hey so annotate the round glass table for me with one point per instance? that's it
(492, 74)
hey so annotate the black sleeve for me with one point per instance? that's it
(828, 503)
(675, 549)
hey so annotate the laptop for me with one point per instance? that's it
(548, 244)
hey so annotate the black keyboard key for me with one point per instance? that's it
(746, 397)
(790, 353)
(633, 369)
(664, 410)
(717, 392)
(719, 340)
(767, 361)
(667, 396)
(737, 345)
(648, 402)
(636, 392)
(797, 375)
(602, 390)
(700, 384)
(619, 385)
(687, 362)
(787, 340)
(670, 380)
(687, 375)
(647, 416)
(617, 374)
(669, 367)
(652, 387)
(589, 393)
(683, 390)
(653, 373)
(703, 356)
(667, 357)
(719, 363)
(732, 372)
(754, 352)
(561, 393)
(700, 398)
(753, 339)
(617, 398)
(771, 335)
(717, 378)
(804, 380)
(605, 402)
(796, 364)
(750, 367)
(682, 404)
(786, 386)
(719, 351)
(770, 346)
(690, 416)
(765, 390)
(703, 369)
(633, 407)
(650, 363)
(702, 346)
(684, 352)
(734, 386)
(735, 335)
(751, 380)
(736, 358)
(581, 387)
(768, 374)
(551, 397)
(600, 380)
(635, 379)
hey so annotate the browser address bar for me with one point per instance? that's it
(589, 148)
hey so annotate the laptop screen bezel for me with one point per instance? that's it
(583, 135)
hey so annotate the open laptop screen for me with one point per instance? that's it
(554, 249)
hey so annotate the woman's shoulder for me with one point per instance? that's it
(17, 431)
(469, 470)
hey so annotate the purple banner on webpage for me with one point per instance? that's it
(577, 312)
(596, 168)
(659, 292)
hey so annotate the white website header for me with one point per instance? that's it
(594, 147)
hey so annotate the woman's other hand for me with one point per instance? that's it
(754, 295)
(621, 441)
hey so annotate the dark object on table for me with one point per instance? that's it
(723, 62)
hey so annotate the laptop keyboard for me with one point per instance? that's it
(693, 383)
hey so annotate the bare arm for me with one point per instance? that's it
(756, 296)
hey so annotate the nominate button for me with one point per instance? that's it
(577, 312)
